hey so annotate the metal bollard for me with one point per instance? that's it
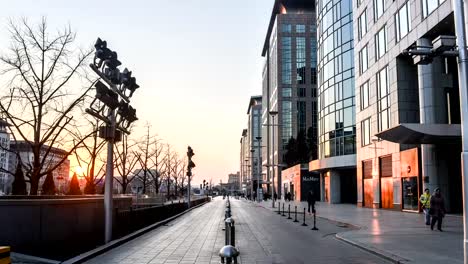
(279, 208)
(303, 222)
(289, 211)
(229, 252)
(295, 214)
(283, 211)
(232, 234)
(314, 228)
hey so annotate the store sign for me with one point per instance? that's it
(310, 179)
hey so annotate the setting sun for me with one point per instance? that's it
(79, 171)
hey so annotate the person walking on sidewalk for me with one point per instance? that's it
(437, 209)
(425, 200)
(311, 201)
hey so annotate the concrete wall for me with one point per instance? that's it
(54, 228)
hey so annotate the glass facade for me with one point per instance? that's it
(429, 6)
(380, 43)
(383, 99)
(286, 67)
(336, 105)
(301, 60)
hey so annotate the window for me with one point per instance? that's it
(363, 60)
(301, 60)
(301, 92)
(301, 116)
(430, 5)
(379, 7)
(286, 92)
(300, 29)
(365, 132)
(313, 59)
(287, 60)
(383, 100)
(380, 43)
(286, 28)
(364, 93)
(286, 127)
(362, 24)
(403, 21)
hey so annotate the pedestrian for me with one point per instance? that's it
(437, 209)
(311, 201)
(425, 200)
(288, 196)
(275, 196)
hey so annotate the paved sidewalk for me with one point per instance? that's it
(261, 238)
(398, 235)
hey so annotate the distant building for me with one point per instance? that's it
(254, 141)
(136, 185)
(55, 156)
(234, 180)
(5, 178)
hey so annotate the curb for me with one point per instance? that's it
(117, 242)
(380, 253)
(24, 257)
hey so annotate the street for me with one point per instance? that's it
(262, 236)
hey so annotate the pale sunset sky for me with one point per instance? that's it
(197, 63)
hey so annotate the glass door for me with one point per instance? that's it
(410, 193)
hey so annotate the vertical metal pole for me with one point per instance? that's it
(303, 219)
(259, 168)
(289, 211)
(188, 192)
(273, 165)
(459, 17)
(295, 214)
(109, 178)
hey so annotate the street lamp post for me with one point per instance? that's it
(106, 107)
(259, 163)
(273, 114)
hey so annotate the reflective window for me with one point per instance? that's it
(366, 132)
(364, 93)
(286, 28)
(287, 60)
(300, 29)
(430, 5)
(379, 7)
(362, 24)
(301, 92)
(403, 21)
(301, 116)
(380, 43)
(363, 60)
(383, 99)
(301, 60)
(286, 92)
(286, 115)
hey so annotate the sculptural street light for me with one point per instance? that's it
(113, 94)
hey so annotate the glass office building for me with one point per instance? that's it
(336, 102)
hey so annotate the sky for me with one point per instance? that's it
(197, 63)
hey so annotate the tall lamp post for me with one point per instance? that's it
(273, 114)
(251, 183)
(259, 163)
(117, 115)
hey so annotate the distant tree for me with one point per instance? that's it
(125, 162)
(19, 184)
(312, 143)
(74, 186)
(145, 156)
(48, 187)
(291, 155)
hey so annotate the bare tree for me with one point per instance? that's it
(169, 168)
(158, 164)
(88, 157)
(44, 72)
(182, 177)
(146, 153)
(125, 162)
(176, 172)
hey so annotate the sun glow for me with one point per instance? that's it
(79, 171)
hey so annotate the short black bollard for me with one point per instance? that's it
(315, 227)
(303, 223)
(289, 211)
(233, 235)
(283, 211)
(279, 208)
(295, 214)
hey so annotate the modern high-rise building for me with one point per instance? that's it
(289, 82)
(336, 102)
(244, 169)
(408, 114)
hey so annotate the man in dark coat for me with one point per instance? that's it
(437, 209)
(311, 201)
